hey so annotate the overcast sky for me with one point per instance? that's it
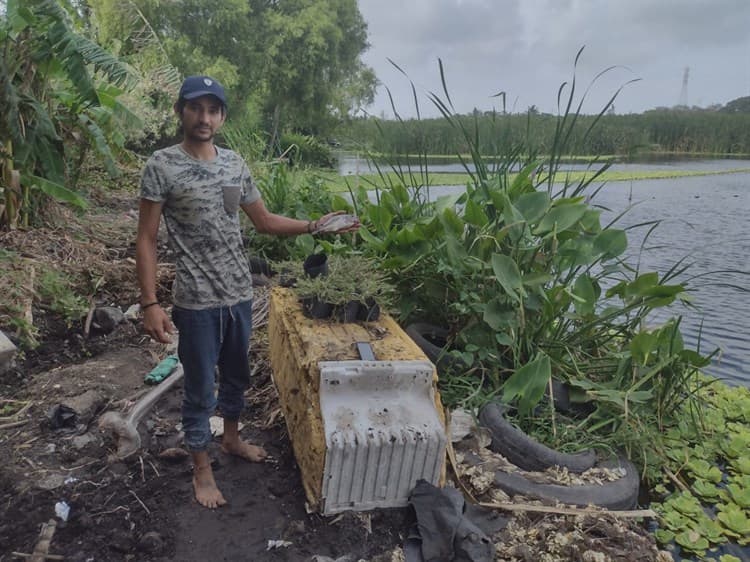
(527, 48)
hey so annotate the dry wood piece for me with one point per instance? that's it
(626, 514)
(41, 550)
(28, 316)
(16, 414)
(46, 556)
(14, 424)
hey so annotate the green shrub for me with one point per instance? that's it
(56, 292)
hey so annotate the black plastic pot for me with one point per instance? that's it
(259, 265)
(369, 311)
(312, 307)
(316, 264)
(348, 312)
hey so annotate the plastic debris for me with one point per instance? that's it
(71, 480)
(62, 510)
(132, 312)
(462, 424)
(61, 416)
(277, 543)
(162, 370)
(217, 426)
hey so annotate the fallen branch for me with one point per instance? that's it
(28, 315)
(14, 424)
(143, 505)
(16, 414)
(628, 514)
(46, 556)
(89, 318)
(115, 510)
(673, 477)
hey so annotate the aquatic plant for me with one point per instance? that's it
(701, 506)
(531, 283)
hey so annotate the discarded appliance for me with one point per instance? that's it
(363, 431)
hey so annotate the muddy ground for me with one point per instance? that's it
(143, 508)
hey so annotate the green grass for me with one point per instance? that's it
(337, 183)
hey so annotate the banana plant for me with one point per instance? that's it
(49, 75)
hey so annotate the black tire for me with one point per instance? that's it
(525, 452)
(619, 494)
(424, 335)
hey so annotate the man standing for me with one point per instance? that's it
(199, 188)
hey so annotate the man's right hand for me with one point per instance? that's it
(157, 324)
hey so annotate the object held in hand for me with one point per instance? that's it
(336, 223)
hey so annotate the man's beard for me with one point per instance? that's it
(200, 134)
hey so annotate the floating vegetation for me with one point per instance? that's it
(706, 487)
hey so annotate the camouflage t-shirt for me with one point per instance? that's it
(201, 212)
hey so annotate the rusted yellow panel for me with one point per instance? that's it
(297, 345)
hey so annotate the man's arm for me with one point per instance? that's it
(155, 320)
(266, 222)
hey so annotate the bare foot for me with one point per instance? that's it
(242, 449)
(206, 491)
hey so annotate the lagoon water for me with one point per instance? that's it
(706, 221)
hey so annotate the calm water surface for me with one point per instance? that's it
(705, 220)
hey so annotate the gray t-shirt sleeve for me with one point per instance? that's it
(153, 183)
(250, 192)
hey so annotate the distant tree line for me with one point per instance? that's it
(723, 130)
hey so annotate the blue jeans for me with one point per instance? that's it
(210, 338)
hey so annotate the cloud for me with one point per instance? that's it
(527, 48)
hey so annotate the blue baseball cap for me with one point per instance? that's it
(197, 86)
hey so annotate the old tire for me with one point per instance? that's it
(619, 494)
(525, 452)
(432, 340)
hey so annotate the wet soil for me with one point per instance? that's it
(142, 508)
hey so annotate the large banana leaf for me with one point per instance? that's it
(55, 190)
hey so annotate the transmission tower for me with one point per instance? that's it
(683, 93)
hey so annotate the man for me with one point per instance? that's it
(199, 188)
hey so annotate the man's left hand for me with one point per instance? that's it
(327, 223)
